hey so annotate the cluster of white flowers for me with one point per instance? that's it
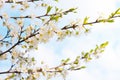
(14, 33)
(20, 22)
(1, 4)
(45, 33)
(15, 53)
(25, 4)
(1, 37)
(29, 30)
(5, 16)
(3, 57)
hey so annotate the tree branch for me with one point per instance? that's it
(45, 15)
(19, 2)
(20, 41)
(9, 72)
(89, 23)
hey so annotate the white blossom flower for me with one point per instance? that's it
(61, 34)
(1, 4)
(45, 33)
(20, 22)
(5, 16)
(25, 4)
(15, 53)
(8, 25)
(33, 43)
(3, 57)
(1, 36)
(14, 33)
(2, 1)
(53, 26)
(29, 30)
(14, 1)
(36, 75)
(32, 16)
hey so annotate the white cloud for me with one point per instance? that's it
(110, 60)
(45, 54)
(80, 75)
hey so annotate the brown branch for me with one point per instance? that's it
(19, 2)
(20, 41)
(6, 36)
(116, 16)
(45, 15)
(89, 23)
(51, 70)
(18, 72)
(9, 72)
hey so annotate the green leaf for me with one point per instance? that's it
(110, 20)
(82, 67)
(96, 48)
(86, 55)
(33, 59)
(67, 60)
(30, 71)
(78, 57)
(106, 43)
(56, 0)
(117, 11)
(56, 9)
(91, 50)
(82, 53)
(56, 18)
(72, 9)
(89, 58)
(43, 5)
(101, 20)
(85, 20)
(101, 51)
(77, 32)
(49, 9)
(76, 61)
(30, 46)
(103, 45)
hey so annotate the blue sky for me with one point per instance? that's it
(107, 67)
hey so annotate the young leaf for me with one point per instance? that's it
(85, 20)
(117, 11)
(49, 9)
(56, 18)
(72, 9)
(103, 45)
(76, 61)
(82, 67)
(86, 55)
(56, 9)
(67, 60)
(110, 20)
(56, 0)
